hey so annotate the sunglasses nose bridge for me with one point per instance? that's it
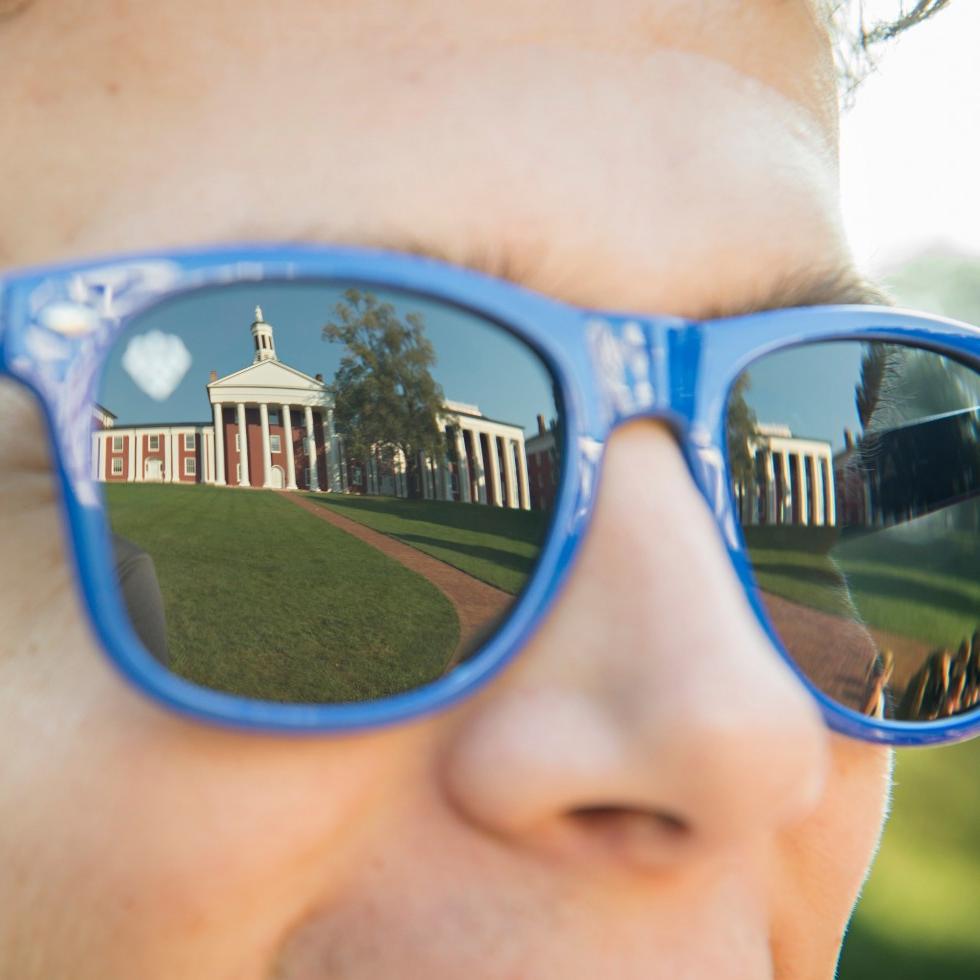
(631, 360)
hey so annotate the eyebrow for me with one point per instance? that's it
(827, 286)
(820, 285)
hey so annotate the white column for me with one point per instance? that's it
(830, 493)
(446, 478)
(495, 481)
(343, 464)
(139, 456)
(522, 474)
(131, 446)
(246, 480)
(332, 451)
(401, 485)
(801, 484)
(817, 477)
(207, 449)
(479, 468)
(173, 454)
(770, 488)
(266, 446)
(510, 472)
(311, 449)
(219, 446)
(462, 467)
(287, 425)
(787, 501)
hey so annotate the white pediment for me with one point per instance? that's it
(268, 381)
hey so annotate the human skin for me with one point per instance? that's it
(646, 791)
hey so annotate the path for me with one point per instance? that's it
(837, 654)
(476, 603)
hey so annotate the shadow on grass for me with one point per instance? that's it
(962, 601)
(811, 575)
(529, 526)
(870, 956)
(506, 559)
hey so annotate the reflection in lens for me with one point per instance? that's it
(339, 507)
(855, 474)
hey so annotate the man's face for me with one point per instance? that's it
(604, 808)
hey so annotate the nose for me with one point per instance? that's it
(650, 719)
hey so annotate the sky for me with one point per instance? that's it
(159, 373)
(910, 146)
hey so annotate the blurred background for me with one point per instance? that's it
(910, 159)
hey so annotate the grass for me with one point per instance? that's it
(494, 544)
(918, 915)
(263, 599)
(928, 592)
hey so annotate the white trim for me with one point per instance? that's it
(244, 470)
(275, 442)
(118, 445)
(190, 461)
(153, 442)
(190, 446)
(115, 460)
(218, 439)
(287, 424)
(266, 450)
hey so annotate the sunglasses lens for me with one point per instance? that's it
(856, 479)
(340, 503)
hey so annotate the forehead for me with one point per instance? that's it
(676, 156)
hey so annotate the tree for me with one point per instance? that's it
(385, 398)
(741, 426)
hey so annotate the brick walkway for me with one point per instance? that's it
(837, 653)
(476, 603)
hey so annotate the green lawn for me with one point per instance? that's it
(494, 544)
(918, 917)
(265, 600)
(928, 592)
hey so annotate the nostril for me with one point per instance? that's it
(639, 836)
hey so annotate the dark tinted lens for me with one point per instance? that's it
(322, 493)
(856, 472)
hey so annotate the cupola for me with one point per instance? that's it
(265, 346)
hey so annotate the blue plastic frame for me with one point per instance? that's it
(57, 324)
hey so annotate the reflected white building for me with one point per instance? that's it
(272, 427)
(793, 480)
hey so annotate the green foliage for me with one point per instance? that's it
(741, 425)
(385, 398)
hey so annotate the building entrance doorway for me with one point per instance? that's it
(153, 470)
(277, 479)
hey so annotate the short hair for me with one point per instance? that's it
(859, 39)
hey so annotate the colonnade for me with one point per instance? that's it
(497, 476)
(331, 441)
(798, 489)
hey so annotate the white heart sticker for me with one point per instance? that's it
(157, 362)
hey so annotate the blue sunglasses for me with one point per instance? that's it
(423, 446)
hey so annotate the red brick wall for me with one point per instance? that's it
(122, 454)
(542, 479)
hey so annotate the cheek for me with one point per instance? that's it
(195, 845)
(827, 856)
